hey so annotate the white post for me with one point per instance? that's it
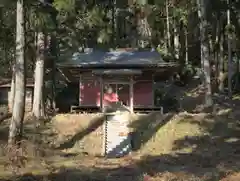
(131, 94)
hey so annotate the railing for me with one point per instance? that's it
(96, 109)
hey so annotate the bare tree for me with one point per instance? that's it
(143, 28)
(221, 75)
(230, 71)
(15, 130)
(202, 12)
(168, 26)
(186, 44)
(38, 102)
(176, 40)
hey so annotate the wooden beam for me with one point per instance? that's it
(66, 78)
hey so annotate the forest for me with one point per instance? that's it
(201, 35)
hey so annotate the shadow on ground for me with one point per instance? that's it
(214, 156)
(95, 123)
(146, 126)
(191, 99)
(144, 129)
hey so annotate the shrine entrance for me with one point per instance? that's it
(116, 92)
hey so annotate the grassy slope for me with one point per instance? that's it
(188, 147)
(164, 139)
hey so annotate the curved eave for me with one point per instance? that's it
(161, 68)
(118, 66)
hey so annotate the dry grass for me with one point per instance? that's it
(187, 147)
(162, 142)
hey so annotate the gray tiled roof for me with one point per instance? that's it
(113, 57)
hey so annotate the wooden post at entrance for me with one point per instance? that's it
(153, 91)
(101, 94)
(102, 110)
(79, 93)
(131, 94)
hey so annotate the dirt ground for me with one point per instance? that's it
(190, 146)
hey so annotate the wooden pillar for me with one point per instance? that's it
(131, 105)
(79, 93)
(153, 87)
(104, 123)
(101, 94)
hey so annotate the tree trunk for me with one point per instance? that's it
(221, 76)
(54, 54)
(230, 71)
(176, 40)
(12, 91)
(202, 5)
(143, 28)
(215, 52)
(186, 45)
(168, 27)
(216, 49)
(201, 48)
(212, 68)
(114, 23)
(15, 130)
(53, 70)
(38, 103)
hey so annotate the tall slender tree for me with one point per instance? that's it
(230, 73)
(176, 40)
(16, 126)
(168, 26)
(38, 101)
(42, 47)
(202, 12)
